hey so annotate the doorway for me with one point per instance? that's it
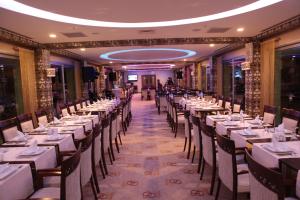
(148, 81)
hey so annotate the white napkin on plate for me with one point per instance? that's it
(33, 147)
(55, 120)
(248, 130)
(280, 128)
(41, 127)
(20, 137)
(4, 167)
(257, 119)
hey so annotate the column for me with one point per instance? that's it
(43, 83)
(253, 82)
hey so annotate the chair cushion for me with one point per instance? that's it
(48, 192)
(243, 183)
(181, 119)
(242, 167)
(52, 181)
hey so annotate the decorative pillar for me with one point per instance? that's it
(253, 82)
(43, 83)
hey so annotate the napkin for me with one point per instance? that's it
(33, 147)
(257, 119)
(41, 127)
(20, 137)
(248, 130)
(218, 114)
(280, 128)
(55, 120)
(241, 112)
(4, 167)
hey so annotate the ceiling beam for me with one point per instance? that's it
(148, 42)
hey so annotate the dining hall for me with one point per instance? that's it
(159, 100)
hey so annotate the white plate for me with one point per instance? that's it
(247, 133)
(10, 170)
(253, 122)
(28, 152)
(230, 123)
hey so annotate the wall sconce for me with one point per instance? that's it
(50, 72)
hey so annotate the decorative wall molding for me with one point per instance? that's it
(26, 42)
(148, 42)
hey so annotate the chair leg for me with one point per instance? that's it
(213, 177)
(93, 187)
(104, 160)
(102, 169)
(200, 161)
(109, 155)
(117, 145)
(189, 148)
(202, 170)
(112, 150)
(185, 140)
(194, 154)
(120, 138)
(218, 189)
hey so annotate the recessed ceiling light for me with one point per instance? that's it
(52, 35)
(240, 29)
(294, 56)
(36, 12)
(110, 62)
(184, 59)
(211, 45)
(187, 54)
(82, 49)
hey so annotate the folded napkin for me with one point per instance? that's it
(4, 167)
(257, 119)
(55, 120)
(41, 127)
(241, 112)
(280, 128)
(33, 147)
(248, 130)
(20, 137)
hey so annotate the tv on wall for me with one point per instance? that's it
(132, 77)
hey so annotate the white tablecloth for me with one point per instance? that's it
(221, 129)
(45, 160)
(269, 159)
(18, 185)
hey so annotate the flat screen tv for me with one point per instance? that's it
(132, 77)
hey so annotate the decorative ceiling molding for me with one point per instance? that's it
(148, 42)
(24, 41)
(277, 29)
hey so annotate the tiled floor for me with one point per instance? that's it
(152, 164)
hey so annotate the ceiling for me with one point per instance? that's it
(145, 11)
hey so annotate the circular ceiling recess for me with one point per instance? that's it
(145, 55)
(15, 6)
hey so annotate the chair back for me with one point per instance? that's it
(197, 132)
(269, 114)
(227, 162)
(64, 110)
(113, 125)
(86, 158)
(187, 124)
(105, 132)
(290, 118)
(237, 106)
(70, 178)
(8, 129)
(208, 144)
(78, 105)
(220, 102)
(25, 122)
(97, 143)
(265, 183)
(72, 108)
(41, 117)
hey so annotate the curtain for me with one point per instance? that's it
(28, 80)
(267, 73)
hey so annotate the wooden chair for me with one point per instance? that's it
(234, 177)
(97, 149)
(64, 110)
(42, 116)
(78, 105)
(220, 101)
(105, 147)
(178, 118)
(8, 129)
(72, 108)
(187, 133)
(69, 173)
(197, 140)
(291, 119)
(113, 133)
(237, 106)
(269, 114)
(265, 183)
(25, 122)
(209, 152)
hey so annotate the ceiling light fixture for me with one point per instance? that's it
(240, 29)
(211, 45)
(188, 53)
(52, 35)
(82, 49)
(36, 12)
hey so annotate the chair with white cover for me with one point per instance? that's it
(72, 108)
(105, 143)
(113, 133)
(220, 102)
(8, 129)
(178, 117)
(269, 114)
(63, 111)
(209, 152)
(97, 149)
(25, 122)
(41, 117)
(197, 139)
(69, 173)
(187, 133)
(235, 177)
(291, 119)
(78, 105)
(237, 106)
(265, 183)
